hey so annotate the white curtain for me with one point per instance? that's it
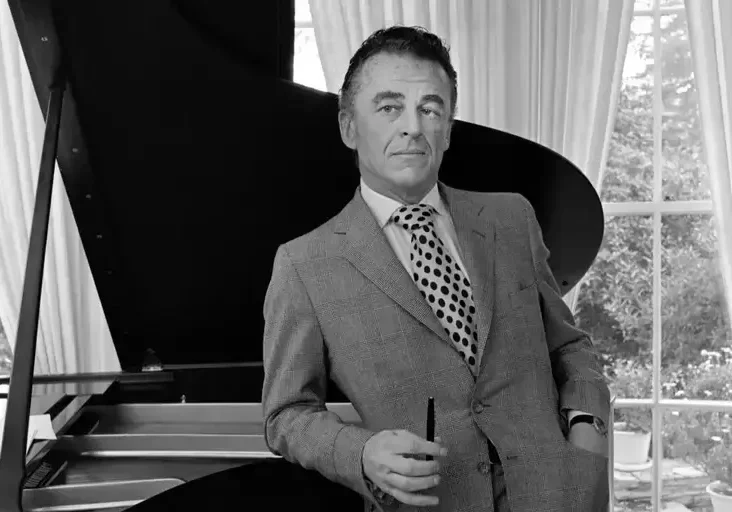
(72, 334)
(546, 70)
(710, 35)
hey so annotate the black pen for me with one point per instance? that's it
(430, 422)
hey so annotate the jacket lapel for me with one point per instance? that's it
(476, 239)
(368, 249)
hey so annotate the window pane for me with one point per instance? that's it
(685, 176)
(633, 465)
(302, 11)
(628, 175)
(672, 3)
(695, 330)
(307, 68)
(696, 449)
(614, 304)
(643, 5)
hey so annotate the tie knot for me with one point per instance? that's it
(414, 216)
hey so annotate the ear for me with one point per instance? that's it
(348, 128)
(447, 135)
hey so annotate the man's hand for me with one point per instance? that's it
(388, 462)
(584, 435)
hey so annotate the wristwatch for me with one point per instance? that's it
(596, 422)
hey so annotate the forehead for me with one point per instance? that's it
(386, 70)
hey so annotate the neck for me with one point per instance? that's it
(412, 195)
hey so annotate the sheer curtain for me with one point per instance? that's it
(546, 70)
(710, 35)
(72, 335)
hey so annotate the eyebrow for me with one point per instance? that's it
(392, 95)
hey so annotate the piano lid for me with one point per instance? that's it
(188, 157)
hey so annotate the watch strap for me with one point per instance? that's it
(596, 422)
(582, 418)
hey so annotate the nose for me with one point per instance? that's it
(411, 123)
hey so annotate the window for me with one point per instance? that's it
(308, 69)
(6, 355)
(653, 301)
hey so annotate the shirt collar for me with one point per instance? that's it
(383, 207)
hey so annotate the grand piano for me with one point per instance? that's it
(188, 155)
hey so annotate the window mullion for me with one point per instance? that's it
(649, 207)
(656, 486)
(662, 10)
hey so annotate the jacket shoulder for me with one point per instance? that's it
(313, 244)
(501, 205)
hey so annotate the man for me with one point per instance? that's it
(416, 289)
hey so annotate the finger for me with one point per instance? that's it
(424, 447)
(411, 498)
(419, 500)
(413, 444)
(411, 483)
(407, 466)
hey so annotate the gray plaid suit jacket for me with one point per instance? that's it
(340, 304)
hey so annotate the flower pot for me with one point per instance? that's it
(720, 502)
(630, 447)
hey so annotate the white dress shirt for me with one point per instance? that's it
(399, 238)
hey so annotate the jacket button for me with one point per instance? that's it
(477, 407)
(484, 468)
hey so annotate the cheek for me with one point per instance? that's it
(439, 140)
(378, 138)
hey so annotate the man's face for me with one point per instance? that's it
(399, 124)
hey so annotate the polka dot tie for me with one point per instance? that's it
(442, 282)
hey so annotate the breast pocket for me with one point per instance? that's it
(526, 295)
(525, 322)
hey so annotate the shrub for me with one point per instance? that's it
(703, 439)
(629, 379)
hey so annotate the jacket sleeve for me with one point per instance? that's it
(297, 424)
(575, 364)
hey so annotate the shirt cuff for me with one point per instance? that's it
(380, 496)
(571, 414)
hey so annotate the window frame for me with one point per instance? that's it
(657, 208)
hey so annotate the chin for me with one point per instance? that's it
(416, 182)
(412, 176)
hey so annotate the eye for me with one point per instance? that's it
(389, 108)
(431, 112)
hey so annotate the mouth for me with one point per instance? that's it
(404, 153)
